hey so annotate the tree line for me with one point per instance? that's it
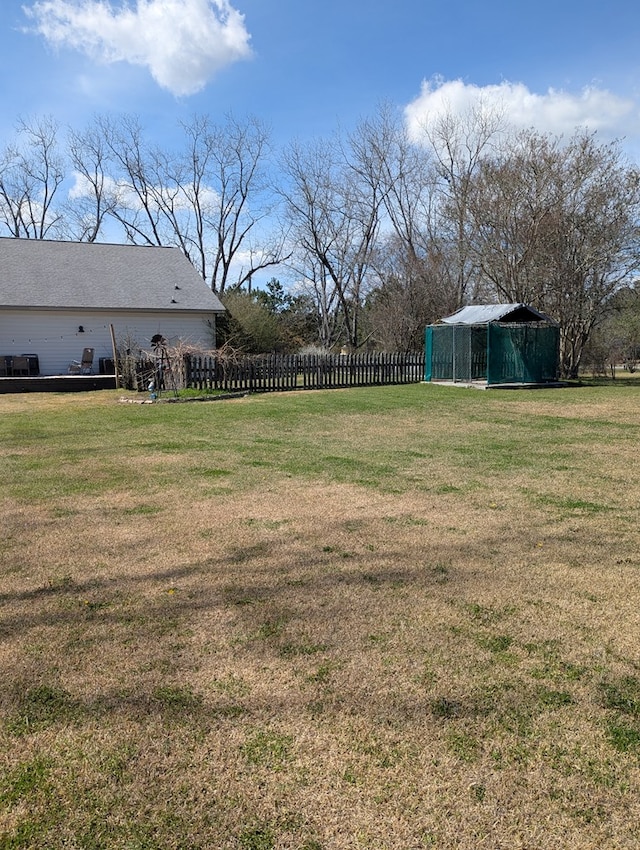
(378, 232)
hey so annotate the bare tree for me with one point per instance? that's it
(314, 281)
(31, 172)
(510, 202)
(615, 340)
(459, 144)
(411, 294)
(557, 223)
(406, 176)
(138, 188)
(92, 198)
(412, 259)
(231, 194)
(211, 198)
(594, 245)
(333, 204)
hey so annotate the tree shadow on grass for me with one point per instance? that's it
(296, 608)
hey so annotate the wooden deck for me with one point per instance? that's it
(57, 383)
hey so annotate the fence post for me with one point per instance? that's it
(277, 372)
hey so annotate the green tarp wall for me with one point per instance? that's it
(498, 353)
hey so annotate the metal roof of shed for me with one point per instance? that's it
(482, 314)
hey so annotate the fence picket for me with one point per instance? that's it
(274, 373)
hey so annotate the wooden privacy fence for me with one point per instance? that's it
(275, 372)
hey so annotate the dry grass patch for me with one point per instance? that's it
(386, 636)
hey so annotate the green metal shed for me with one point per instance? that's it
(493, 343)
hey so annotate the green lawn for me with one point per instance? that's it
(386, 618)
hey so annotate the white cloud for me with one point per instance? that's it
(183, 43)
(558, 112)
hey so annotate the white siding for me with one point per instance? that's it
(55, 337)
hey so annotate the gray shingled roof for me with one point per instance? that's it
(41, 273)
(482, 314)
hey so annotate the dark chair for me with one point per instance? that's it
(20, 367)
(34, 364)
(84, 366)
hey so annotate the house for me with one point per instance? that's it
(58, 298)
(495, 344)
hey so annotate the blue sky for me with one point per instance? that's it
(308, 68)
